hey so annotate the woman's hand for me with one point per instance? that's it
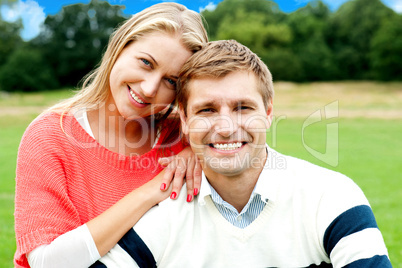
(184, 165)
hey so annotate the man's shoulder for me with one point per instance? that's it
(295, 170)
(168, 211)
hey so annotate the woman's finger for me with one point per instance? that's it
(168, 175)
(189, 178)
(197, 176)
(178, 180)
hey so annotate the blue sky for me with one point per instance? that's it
(34, 12)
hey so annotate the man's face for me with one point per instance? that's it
(226, 123)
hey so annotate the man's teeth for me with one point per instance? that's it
(228, 146)
(136, 98)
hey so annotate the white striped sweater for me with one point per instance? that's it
(314, 217)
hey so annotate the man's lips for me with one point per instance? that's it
(227, 146)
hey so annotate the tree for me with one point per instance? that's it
(228, 8)
(308, 25)
(250, 29)
(386, 50)
(9, 35)
(74, 39)
(349, 33)
(9, 39)
(26, 70)
(258, 24)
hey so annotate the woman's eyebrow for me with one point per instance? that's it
(153, 59)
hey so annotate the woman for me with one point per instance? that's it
(87, 168)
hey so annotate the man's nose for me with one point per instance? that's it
(225, 125)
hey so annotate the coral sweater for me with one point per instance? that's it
(65, 178)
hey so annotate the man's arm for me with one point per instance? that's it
(351, 235)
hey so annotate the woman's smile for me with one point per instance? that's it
(142, 80)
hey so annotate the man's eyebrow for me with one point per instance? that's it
(200, 105)
(247, 101)
(234, 103)
(149, 55)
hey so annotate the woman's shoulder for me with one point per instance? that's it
(45, 121)
(47, 126)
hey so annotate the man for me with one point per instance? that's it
(256, 207)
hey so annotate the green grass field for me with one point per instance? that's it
(369, 145)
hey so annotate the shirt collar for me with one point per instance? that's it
(205, 190)
(274, 170)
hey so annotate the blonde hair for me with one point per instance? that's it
(169, 18)
(219, 58)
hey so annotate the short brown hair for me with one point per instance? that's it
(219, 58)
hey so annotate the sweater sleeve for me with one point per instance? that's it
(78, 243)
(43, 209)
(351, 237)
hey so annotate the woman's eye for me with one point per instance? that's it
(171, 81)
(146, 62)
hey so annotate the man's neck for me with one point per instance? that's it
(236, 190)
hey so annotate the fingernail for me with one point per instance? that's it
(195, 191)
(173, 195)
(189, 198)
(163, 186)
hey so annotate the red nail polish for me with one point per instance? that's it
(195, 191)
(189, 198)
(173, 195)
(163, 186)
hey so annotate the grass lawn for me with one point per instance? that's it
(369, 153)
(368, 145)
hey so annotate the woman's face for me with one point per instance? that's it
(143, 78)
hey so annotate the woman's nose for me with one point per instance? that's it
(150, 85)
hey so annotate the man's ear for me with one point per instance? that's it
(270, 112)
(183, 119)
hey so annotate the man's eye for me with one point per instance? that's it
(206, 110)
(243, 108)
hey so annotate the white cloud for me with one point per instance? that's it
(211, 6)
(398, 7)
(394, 4)
(29, 12)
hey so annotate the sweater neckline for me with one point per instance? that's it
(242, 234)
(80, 138)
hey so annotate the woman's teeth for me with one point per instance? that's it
(228, 146)
(136, 98)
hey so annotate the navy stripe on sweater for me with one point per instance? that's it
(375, 261)
(322, 265)
(137, 249)
(98, 264)
(351, 221)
